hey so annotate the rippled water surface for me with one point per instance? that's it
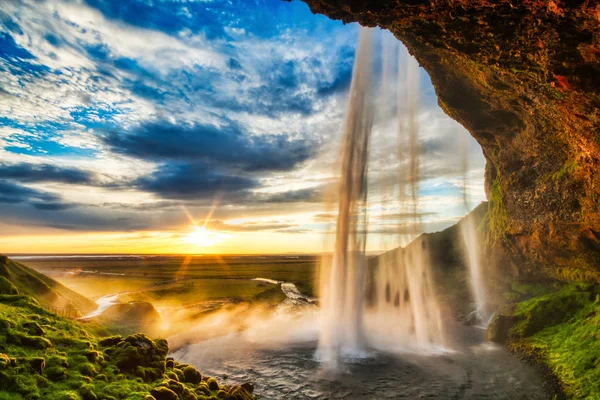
(475, 369)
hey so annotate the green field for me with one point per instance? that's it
(179, 280)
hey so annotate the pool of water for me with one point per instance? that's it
(279, 358)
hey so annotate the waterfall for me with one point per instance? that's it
(404, 312)
(342, 283)
(472, 246)
(397, 308)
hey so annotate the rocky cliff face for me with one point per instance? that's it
(524, 78)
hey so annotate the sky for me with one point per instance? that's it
(199, 126)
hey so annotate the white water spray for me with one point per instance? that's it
(472, 250)
(403, 310)
(342, 283)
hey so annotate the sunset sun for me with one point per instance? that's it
(202, 237)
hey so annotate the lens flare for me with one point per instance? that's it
(202, 237)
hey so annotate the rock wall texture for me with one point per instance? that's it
(523, 76)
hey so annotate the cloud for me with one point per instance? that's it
(24, 172)
(15, 193)
(195, 182)
(227, 146)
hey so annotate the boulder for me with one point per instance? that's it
(163, 393)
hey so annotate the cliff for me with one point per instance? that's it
(524, 78)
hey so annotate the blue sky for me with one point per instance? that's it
(131, 116)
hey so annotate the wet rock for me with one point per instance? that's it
(544, 192)
(248, 387)
(499, 329)
(472, 319)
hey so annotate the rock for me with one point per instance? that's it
(163, 393)
(212, 384)
(543, 192)
(140, 356)
(111, 341)
(248, 387)
(472, 319)
(38, 364)
(192, 375)
(499, 328)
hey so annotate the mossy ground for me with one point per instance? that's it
(45, 356)
(562, 329)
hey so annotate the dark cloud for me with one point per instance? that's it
(308, 195)
(15, 193)
(52, 206)
(226, 146)
(195, 181)
(45, 173)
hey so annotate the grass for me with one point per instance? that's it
(41, 287)
(213, 277)
(199, 290)
(562, 330)
(44, 356)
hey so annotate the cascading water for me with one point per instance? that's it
(342, 283)
(472, 253)
(403, 311)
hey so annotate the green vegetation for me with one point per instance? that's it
(181, 280)
(560, 329)
(199, 290)
(566, 170)
(498, 221)
(45, 290)
(44, 356)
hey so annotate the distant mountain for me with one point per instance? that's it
(44, 289)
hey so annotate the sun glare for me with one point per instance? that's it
(202, 237)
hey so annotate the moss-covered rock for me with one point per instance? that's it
(163, 393)
(73, 361)
(560, 329)
(212, 384)
(192, 375)
(139, 355)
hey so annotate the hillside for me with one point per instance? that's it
(446, 256)
(48, 292)
(44, 356)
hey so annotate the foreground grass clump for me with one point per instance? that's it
(562, 330)
(44, 356)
